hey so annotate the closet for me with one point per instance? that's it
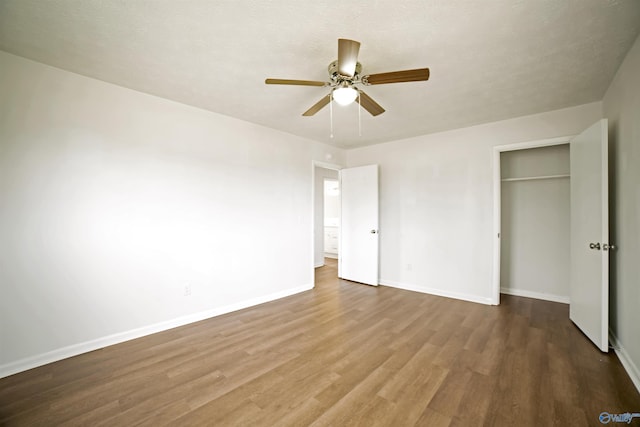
(535, 208)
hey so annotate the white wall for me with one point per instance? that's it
(112, 201)
(621, 105)
(436, 200)
(535, 231)
(320, 174)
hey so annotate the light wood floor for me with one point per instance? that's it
(342, 354)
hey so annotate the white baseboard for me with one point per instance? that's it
(536, 295)
(76, 349)
(330, 255)
(318, 265)
(625, 359)
(438, 292)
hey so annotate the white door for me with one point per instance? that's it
(589, 293)
(358, 259)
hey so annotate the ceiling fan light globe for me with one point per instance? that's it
(345, 95)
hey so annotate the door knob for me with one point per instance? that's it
(606, 247)
(595, 246)
(374, 231)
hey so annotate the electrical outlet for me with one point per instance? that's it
(409, 267)
(187, 290)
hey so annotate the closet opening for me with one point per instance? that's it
(535, 223)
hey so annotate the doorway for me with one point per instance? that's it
(497, 201)
(535, 224)
(356, 225)
(589, 228)
(331, 225)
(321, 175)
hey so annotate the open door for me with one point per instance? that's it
(358, 259)
(589, 291)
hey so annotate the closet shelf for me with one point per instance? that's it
(532, 178)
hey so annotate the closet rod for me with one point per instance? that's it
(532, 178)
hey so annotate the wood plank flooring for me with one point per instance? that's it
(342, 354)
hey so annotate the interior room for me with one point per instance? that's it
(331, 217)
(180, 187)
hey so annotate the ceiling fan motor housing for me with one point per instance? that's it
(337, 78)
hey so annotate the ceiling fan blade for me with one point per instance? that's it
(369, 104)
(347, 56)
(294, 82)
(416, 75)
(317, 106)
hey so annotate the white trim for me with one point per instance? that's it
(497, 181)
(604, 202)
(76, 349)
(438, 292)
(497, 227)
(537, 295)
(534, 144)
(325, 165)
(625, 359)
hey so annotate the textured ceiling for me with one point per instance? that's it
(489, 60)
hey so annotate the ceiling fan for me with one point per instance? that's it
(345, 74)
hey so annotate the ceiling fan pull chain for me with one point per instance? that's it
(331, 112)
(359, 116)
